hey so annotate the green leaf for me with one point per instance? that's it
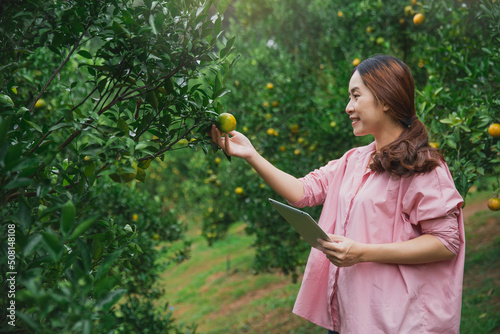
(122, 125)
(32, 244)
(152, 24)
(6, 101)
(89, 169)
(135, 248)
(217, 27)
(107, 263)
(82, 227)
(67, 217)
(140, 175)
(111, 298)
(18, 183)
(224, 52)
(85, 54)
(53, 244)
(60, 125)
(223, 4)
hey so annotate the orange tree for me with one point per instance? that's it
(90, 93)
(289, 91)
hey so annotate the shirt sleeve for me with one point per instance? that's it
(316, 185)
(433, 202)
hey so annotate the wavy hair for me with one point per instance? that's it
(391, 81)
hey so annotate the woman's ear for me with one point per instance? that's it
(386, 107)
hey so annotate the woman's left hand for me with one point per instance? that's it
(342, 251)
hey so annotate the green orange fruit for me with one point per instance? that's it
(226, 122)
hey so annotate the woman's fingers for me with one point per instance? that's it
(338, 251)
(226, 142)
(221, 141)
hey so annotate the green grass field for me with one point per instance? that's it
(217, 289)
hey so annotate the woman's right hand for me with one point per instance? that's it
(238, 145)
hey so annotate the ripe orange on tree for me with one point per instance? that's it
(269, 85)
(418, 19)
(494, 130)
(494, 203)
(356, 62)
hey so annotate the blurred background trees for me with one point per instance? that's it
(289, 92)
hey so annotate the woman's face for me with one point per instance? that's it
(367, 114)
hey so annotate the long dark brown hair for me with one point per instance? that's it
(391, 81)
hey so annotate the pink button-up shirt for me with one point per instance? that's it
(377, 297)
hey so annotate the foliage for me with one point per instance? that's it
(90, 93)
(289, 92)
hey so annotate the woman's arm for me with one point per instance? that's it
(344, 252)
(240, 146)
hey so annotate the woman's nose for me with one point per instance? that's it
(349, 108)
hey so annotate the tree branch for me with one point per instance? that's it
(73, 49)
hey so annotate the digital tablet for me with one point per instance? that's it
(302, 222)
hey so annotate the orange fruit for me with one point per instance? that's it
(269, 86)
(294, 128)
(270, 131)
(40, 104)
(434, 144)
(265, 104)
(494, 203)
(226, 122)
(494, 130)
(418, 19)
(340, 13)
(356, 62)
(409, 10)
(238, 190)
(275, 104)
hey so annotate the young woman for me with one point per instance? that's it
(392, 211)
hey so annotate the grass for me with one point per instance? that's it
(217, 289)
(481, 298)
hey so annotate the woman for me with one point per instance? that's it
(395, 263)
